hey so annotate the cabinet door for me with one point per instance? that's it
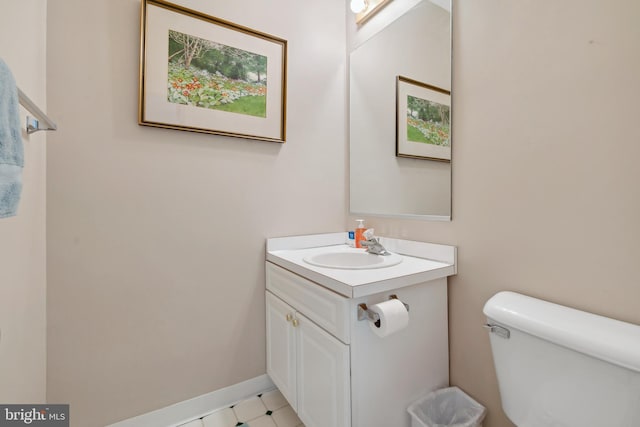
(281, 348)
(324, 382)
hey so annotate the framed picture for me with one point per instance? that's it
(203, 74)
(423, 118)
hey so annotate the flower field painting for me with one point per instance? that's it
(200, 73)
(206, 74)
(427, 122)
(423, 120)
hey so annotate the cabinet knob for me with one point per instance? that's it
(295, 323)
(289, 317)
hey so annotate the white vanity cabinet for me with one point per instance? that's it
(307, 363)
(334, 370)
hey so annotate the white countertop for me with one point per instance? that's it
(421, 262)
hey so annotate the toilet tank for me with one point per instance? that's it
(561, 367)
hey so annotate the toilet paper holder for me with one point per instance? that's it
(365, 314)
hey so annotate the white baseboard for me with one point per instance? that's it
(183, 412)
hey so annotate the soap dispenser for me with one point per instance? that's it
(360, 232)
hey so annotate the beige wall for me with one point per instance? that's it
(156, 237)
(545, 169)
(22, 237)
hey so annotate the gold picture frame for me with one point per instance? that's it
(203, 74)
(423, 121)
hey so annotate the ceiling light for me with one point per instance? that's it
(358, 6)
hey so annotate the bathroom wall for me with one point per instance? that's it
(156, 237)
(22, 237)
(545, 174)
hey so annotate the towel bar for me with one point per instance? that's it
(41, 121)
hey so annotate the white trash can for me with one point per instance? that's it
(447, 407)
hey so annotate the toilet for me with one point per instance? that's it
(561, 367)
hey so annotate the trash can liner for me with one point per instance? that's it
(449, 407)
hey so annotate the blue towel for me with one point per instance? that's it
(11, 150)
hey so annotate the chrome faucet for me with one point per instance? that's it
(372, 244)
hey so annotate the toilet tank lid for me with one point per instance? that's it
(597, 336)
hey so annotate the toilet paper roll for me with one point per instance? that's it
(393, 317)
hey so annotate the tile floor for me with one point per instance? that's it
(269, 409)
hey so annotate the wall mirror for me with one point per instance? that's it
(416, 46)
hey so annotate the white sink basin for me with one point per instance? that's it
(352, 260)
